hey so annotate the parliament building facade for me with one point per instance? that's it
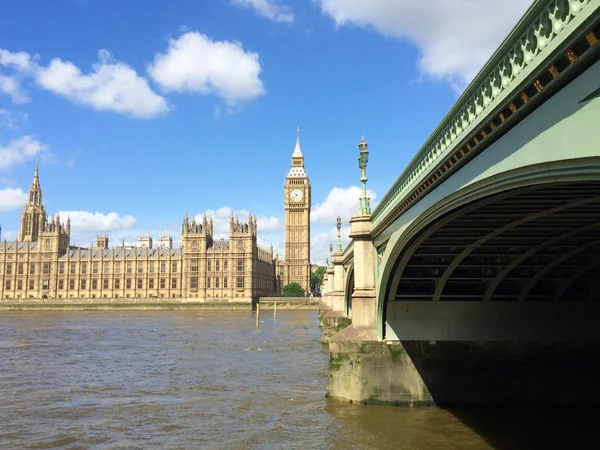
(42, 264)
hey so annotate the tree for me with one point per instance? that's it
(316, 278)
(293, 290)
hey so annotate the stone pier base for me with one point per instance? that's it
(323, 309)
(454, 373)
(332, 323)
(363, 370)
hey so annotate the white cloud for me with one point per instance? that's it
(319, 243)
(111, 86)
(20, 61)
(341, 202)
(88, 222)
(11, 86)
(269, 224)
(11, 199)
(455, 37)
(267, 9)
(196, 63)
(20, 150)
(12, 120)
(85, 226)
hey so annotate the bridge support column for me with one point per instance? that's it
(364, 301)
(335, 320)
(325, 296)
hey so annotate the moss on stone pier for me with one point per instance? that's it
(332, 324)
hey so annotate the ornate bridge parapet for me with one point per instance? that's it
(527, 66)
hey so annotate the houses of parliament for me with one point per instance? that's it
(42, 263)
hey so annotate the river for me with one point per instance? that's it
(208, 379)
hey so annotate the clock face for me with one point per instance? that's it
(296, 195)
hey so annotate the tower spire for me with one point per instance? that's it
(297, 150)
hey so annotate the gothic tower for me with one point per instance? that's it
(297, 221)
(33, 217)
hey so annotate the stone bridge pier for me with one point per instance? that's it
(363, 368)
(335, 318)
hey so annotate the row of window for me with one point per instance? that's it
(21, 268)
(210, 282)
(94, 284)
(95, 267)
(117, 267)
(218, 265)
(209, 267)
(239, 282)
(19, 284)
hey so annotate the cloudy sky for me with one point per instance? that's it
(141, 111)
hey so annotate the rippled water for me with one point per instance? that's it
(193, 379)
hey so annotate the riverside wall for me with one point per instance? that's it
(140, 304)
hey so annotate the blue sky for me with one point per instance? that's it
(141, 111)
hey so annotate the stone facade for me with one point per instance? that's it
(297, 203)
(43, 264)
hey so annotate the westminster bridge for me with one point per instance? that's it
(477, 276)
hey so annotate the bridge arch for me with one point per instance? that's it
(348, 289)
(529, 234)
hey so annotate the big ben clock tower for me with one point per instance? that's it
(297, 221)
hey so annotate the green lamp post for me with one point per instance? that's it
(339, 228)
(363, 159)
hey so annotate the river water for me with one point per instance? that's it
(208, 379)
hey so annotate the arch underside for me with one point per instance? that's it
(348, 291)
(534, 244)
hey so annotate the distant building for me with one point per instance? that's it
(43, 264)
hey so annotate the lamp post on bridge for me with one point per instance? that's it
(363, 159)
(339, 228)
(364, 302)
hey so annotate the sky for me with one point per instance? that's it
(141, 111)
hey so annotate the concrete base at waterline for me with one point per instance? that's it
(323, 309)
(455, 373)
(332, 323)
(363, 370)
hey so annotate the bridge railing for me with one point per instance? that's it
(538, 37)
